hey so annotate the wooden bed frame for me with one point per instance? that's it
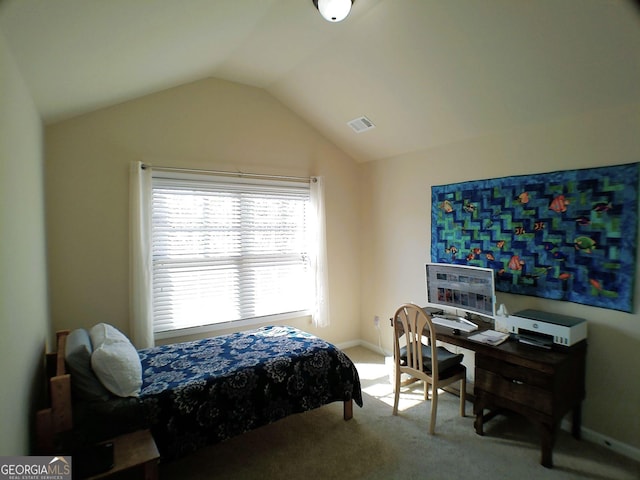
(54, 421)
(57, 419)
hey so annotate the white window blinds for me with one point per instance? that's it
(228, 249)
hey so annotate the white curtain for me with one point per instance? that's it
(141, 309)
(319, 257)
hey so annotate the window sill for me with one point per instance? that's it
(229, 326)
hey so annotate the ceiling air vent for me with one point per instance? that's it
(361, 124)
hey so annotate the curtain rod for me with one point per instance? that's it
(231, 174)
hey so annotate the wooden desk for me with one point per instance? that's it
(543, 385)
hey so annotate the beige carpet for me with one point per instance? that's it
(377, 445)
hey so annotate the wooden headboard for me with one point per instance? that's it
(57, 419)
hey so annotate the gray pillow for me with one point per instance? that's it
(84, 383)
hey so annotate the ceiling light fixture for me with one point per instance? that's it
(333, 10)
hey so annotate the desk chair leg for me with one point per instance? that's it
(397, 391)
(434, 409)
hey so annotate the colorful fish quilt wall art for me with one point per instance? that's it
(566, 235)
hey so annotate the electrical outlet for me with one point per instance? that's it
(376, 321)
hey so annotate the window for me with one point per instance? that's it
(228, 249)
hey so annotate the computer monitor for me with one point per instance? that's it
(461, 287)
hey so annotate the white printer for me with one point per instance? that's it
(544, 328)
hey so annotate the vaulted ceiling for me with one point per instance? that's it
(425, 72)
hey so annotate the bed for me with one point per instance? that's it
(198, 393)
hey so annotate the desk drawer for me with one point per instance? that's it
(514, 390)
(517, 373)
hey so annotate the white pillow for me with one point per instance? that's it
(103, 332)
(115, 361)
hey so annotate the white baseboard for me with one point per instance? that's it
(586, 433)
(351, 344)
(365, 344)
(611, 443)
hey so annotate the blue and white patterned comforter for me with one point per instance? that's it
(205, 391)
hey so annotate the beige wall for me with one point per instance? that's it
(210, 124)
(23, 292)
(376, 253)
(396, 199)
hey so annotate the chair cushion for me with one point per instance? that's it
(446, 359)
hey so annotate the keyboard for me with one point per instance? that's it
(450, 321)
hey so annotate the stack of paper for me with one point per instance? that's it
(490, 337)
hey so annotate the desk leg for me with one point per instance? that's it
(478, 411)
(576, 422)
(548, 435)
(478, 424)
